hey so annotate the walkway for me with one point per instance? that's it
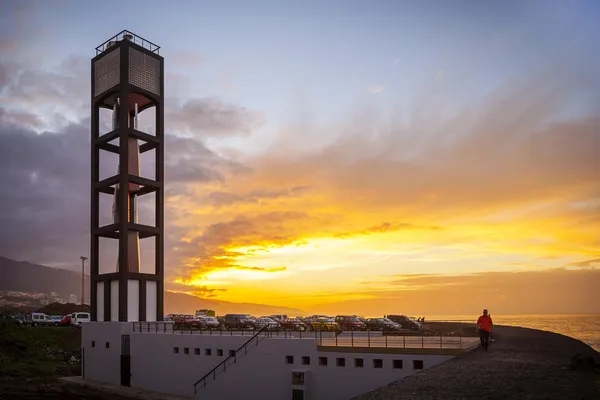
(522, 364)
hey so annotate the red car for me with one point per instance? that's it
(350, 323)
(65, 321)
(189, 322)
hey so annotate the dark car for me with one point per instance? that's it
(238, 321)
(350, 323)
(292, 324)
(406, 322)
(18, 320)
(382, 324)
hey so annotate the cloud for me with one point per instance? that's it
(587, 263)
(187, 59)
(223, 199)
(374, 88)
(385, 227)
(211, 117)
(44, 211)
(522, 292)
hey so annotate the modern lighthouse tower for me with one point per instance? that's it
(127, 79)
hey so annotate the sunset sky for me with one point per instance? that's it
(331, 156)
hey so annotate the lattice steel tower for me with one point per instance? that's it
(127, 79)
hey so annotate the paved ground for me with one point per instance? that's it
(353, 339)
(521, 364)
(361, 339)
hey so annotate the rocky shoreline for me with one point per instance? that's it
(521, 364)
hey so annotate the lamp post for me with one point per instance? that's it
(82, 279)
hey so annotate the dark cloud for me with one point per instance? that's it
(44, 204)
(205, 292)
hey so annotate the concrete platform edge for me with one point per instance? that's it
(72, 383)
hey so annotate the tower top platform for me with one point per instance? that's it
(130, 36)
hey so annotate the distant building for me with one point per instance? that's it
(54, 294)
(44, 302)
(73, 299)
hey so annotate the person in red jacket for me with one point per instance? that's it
(484, 325)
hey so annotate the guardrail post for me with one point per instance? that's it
(336, 342)
(386, 340)
(352, 338)
(369, 338)
(460, 342)
(404, 341)
(441, 344)
(422, 341)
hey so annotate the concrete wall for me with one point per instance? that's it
(264, 372)
(156, 367)
(102, 364)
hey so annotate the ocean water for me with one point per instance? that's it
(585, 327)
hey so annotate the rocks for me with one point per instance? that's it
(589, 362)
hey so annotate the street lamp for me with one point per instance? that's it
(82, 278)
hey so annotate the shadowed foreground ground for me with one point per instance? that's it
(521, 364)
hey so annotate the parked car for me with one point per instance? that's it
(66, 320)
(261, 322)
(38, 319)
(278, 317)
(11, 319)
(325, 324)
(308, 320)
(54, 319)
(292, 324)
(382, 324)
(211, 322)
(350, 323)
(189, 322)
(406, 322)
(239, 321)
(79, 318)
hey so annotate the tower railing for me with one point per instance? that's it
(132, 37)
(233, 357)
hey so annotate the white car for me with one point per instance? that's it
(78, 318)
(259, 323)
(211, 322)
(39, 319)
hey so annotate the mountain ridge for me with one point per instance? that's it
(24, 276)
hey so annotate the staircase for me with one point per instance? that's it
(232, 359)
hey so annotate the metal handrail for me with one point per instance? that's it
(234, 356)
(153, 47)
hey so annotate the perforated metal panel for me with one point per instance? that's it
(107, 72)
(144, 71)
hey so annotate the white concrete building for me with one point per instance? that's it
(227, 365)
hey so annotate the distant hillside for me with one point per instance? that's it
(33, 278)
(176, 303)
(22, 276)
